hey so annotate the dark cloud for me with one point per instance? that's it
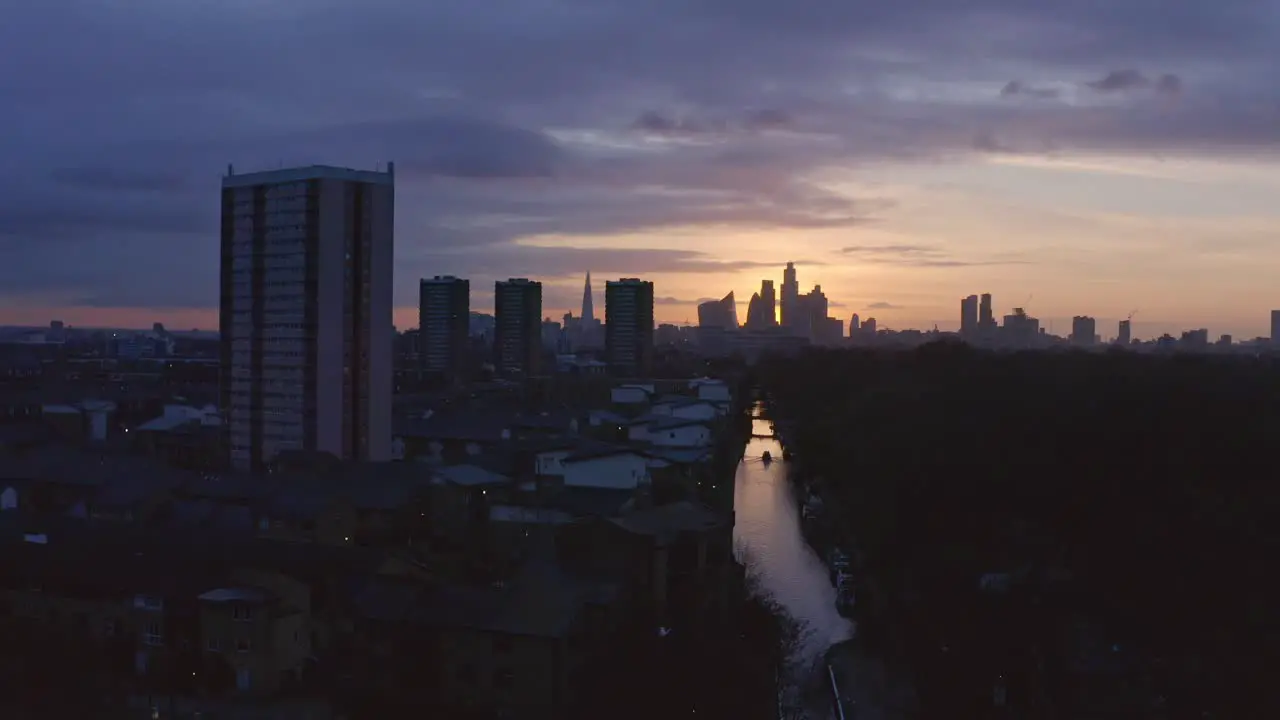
(1118, 80)
(655, 123)
(1125, 80)
(1018, 88)
(883, 306)
(674, 301)
(527, 118)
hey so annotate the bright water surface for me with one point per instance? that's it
(767, 532)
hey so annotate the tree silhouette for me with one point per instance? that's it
(1148, 480)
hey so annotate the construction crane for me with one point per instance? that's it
(1131, 314)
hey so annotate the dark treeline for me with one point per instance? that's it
(1134, 495)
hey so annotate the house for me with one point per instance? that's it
(715, 390)
(631, 394)
(517, 646)
(605, 466)
(257, 631)
(685, 407)
(184, 436)
(460, 499)
(385, 656)
(672, 431)
(461, 436)
(198, 620)
(131, 489)
(314, 497)
(688, 549)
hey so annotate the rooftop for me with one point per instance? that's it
(221, 595)
(310, 172)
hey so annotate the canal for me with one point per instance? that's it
(767, 535)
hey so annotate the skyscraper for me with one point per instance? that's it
(305, 320)
(722, 313)
(1275, 327)
(444, 317)
(588, 305)
(790, 296)
(628, 326)
(969, 315)
(986, 318)
(1125, 336)
(768, 304)
(517, 338)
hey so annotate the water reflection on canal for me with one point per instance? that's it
(767, 531)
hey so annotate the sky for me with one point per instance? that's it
(1095, 157)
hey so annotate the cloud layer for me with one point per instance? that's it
(519, 119)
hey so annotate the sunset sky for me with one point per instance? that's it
(1086, 157)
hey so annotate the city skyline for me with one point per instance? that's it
(1092, 160)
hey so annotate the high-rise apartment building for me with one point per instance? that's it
(444, 318)
(1125, 336)
(628, 326)
(517, 339)
(1275, 328)
(969, 315)
(306, 327)
(1084, 330)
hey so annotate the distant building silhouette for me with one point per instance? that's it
(855, 325)
(762, 310)
(583, 332)
(722, 313)
(1020, 329)
(628, 327)
(1195, 339)
(1125, 336)
(969, 316)
(1084, 331)
(444, 318)
(790, 296)
(1275, 327)
(588, 305)
(517, 340)
(986, 316)
(768, 304)
(306, 326)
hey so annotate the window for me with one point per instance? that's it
(502, 678)
(153, 634)
(148, 602)
(244, 679)
(243, 613)
(214, 645)
(243, 646)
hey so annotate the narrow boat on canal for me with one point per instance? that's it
(767, 457)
